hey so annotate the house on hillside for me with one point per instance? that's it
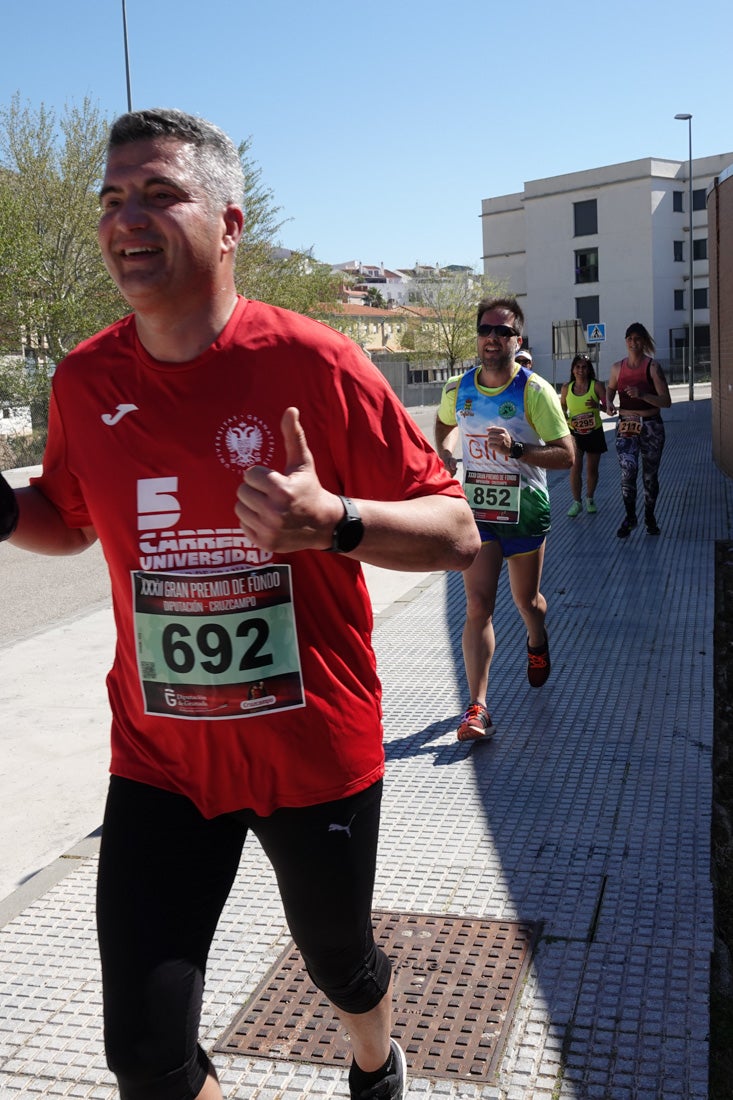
(374, 329)
(380, 333)
(392, 285)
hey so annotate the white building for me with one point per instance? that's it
(15, 421)
(394, 286)
(607, 245)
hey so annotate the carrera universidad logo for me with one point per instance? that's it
(163, 545)
(244, 441)
(507, 410)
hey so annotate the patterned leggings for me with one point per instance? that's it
(649, 444)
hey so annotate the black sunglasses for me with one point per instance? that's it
(505, 331)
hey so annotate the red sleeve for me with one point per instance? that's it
(56, 481)
(382, 454)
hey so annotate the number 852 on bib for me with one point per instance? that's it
(494, 497)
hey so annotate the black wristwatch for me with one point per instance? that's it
(349, 531)
(517, 449)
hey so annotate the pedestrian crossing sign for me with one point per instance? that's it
(595, 334)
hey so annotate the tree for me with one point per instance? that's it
(54, 288)
(375, 298)
(293, 280)
(445, 327)
(266, 271)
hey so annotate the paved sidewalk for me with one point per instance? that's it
(589, 812)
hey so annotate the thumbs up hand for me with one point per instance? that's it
(292, 510)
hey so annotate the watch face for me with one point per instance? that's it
(350, 535)
(349, 532)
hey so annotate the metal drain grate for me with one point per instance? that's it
(456, 980)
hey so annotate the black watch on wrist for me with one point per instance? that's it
(517, 449)
(349, 531)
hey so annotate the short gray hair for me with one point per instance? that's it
(217, 166)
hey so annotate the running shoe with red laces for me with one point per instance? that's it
(538, 664)
(475, 724)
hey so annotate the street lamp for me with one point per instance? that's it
(691, 338)
(127, 56)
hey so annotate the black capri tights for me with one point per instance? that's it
(165, 873)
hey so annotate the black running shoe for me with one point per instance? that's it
(627, 526)
(393, 1086)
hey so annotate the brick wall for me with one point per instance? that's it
(720, 253)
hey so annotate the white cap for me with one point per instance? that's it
(523, 353)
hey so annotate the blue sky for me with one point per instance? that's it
(379, 128)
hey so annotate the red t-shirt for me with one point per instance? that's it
(241, 678)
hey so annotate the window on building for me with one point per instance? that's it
(588, 310)
(700, 249)
(700, 297)
(679, 299)
(698, 199)
(702, 342)
(678, 345)
(585, 217)
(677, 204)
(586, 265)
(679, 251)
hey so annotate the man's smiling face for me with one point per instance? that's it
(161, 241)
(496, 351)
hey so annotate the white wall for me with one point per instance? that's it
(15, 421)
(529, 242)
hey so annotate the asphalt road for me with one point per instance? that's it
(40, 591)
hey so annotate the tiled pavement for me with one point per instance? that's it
(589, 812)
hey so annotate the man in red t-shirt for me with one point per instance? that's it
(237, 463)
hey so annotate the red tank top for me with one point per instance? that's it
(632, 376)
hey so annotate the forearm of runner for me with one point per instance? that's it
(425, 533)
(658, 400)
(446, 436)
(42, 529)
(558, 454)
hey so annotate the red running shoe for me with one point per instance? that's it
(475, 724)
(538, 664)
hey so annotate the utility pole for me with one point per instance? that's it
(691, 304)
(127, 56)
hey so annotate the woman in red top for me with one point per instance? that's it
(642, 391)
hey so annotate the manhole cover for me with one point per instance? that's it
(456, 980)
